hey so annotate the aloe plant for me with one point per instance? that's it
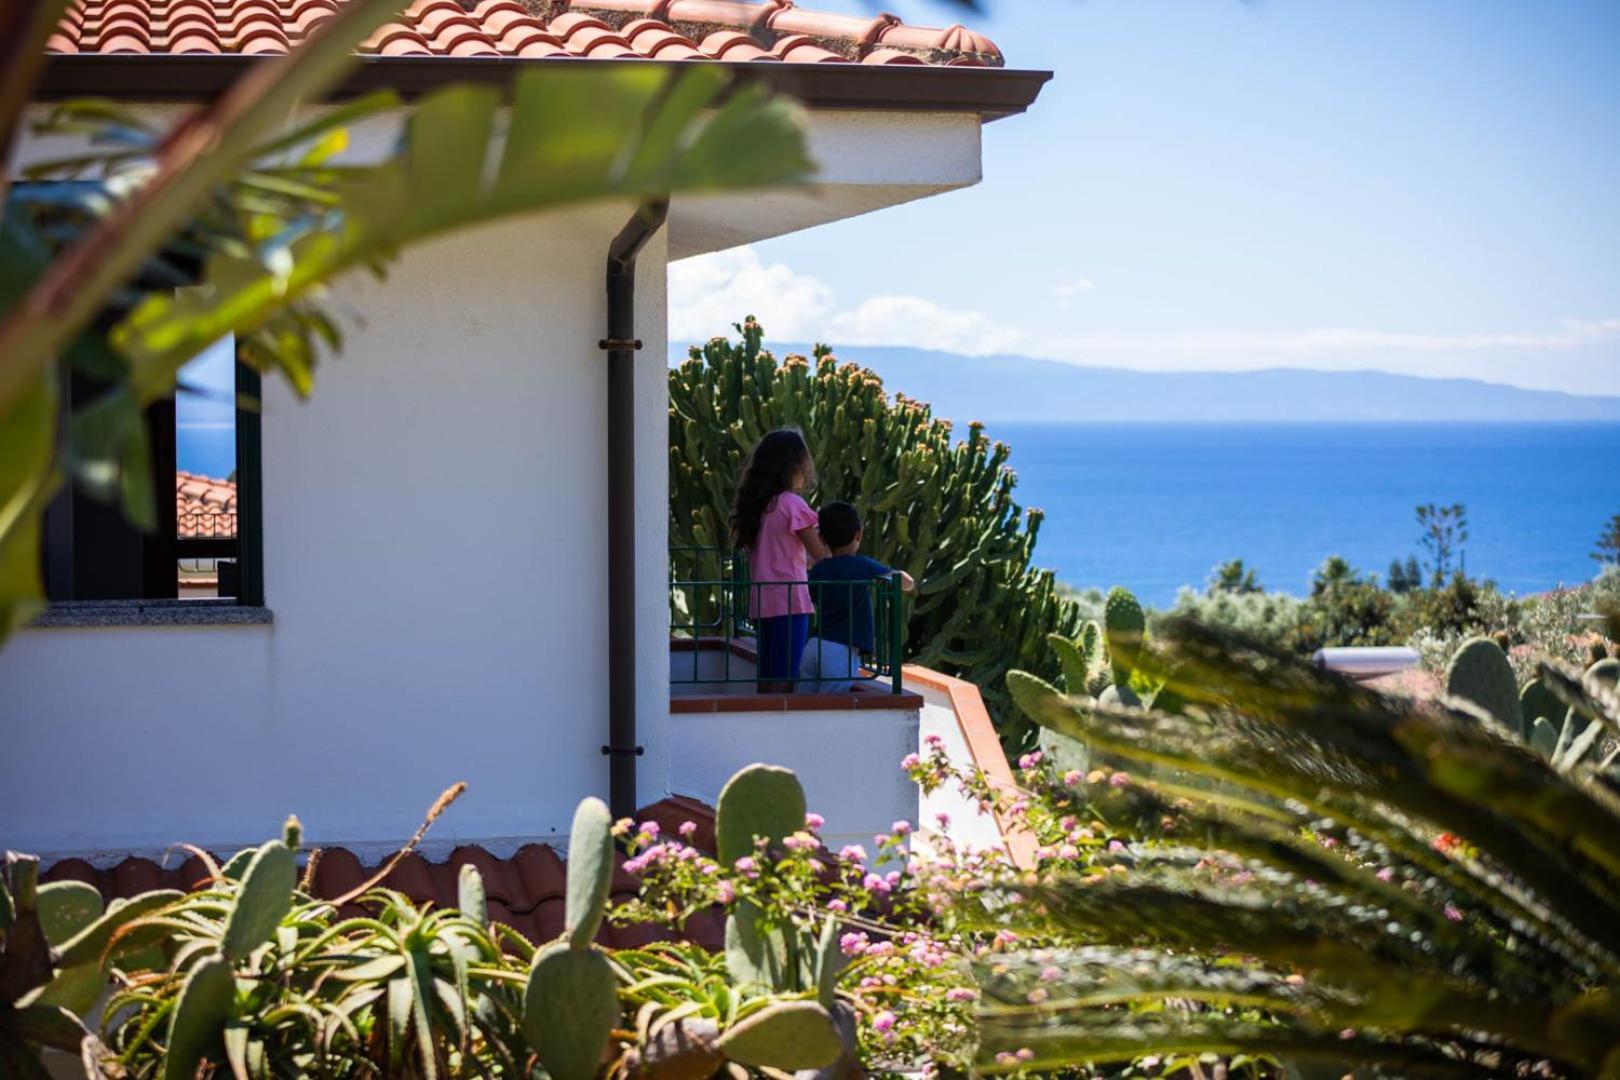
(1359, 882)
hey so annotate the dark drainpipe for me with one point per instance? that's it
(621, 345)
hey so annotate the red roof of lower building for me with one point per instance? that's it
(724, 30)
(204, 506)
(525, 891)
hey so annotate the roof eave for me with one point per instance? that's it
(990, 92)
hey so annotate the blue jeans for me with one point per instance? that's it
(781, 646)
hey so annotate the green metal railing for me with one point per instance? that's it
(709, 593)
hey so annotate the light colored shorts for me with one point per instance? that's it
(828, 667)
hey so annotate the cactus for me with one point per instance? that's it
(570, 1008)
(683, 1049)
(1605, 671)
(590, 872)
(1120, 695)
(262, 900)
(758, 801)
(829, 964)
(1480, 673)
(757, 954)
(1124, 624)
(90, 944)
(67, 907)
(571, 1001)
(470, 895)
(197, 1025)
(787, 1035)
(937, 506)
(1536, 700)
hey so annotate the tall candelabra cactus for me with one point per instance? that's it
(939, 507)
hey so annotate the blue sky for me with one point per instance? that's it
(1421, 186)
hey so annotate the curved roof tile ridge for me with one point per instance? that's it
(751, 30)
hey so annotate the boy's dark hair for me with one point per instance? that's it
(840, 521)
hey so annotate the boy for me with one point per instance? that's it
(832, 660)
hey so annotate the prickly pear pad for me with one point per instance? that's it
(760, 800)
(590, 871)
(570, 1009)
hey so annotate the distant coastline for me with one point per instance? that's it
(1020, 389)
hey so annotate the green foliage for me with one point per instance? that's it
(1480, 673)
(1415, 894)
(1606, 551)
(1234, 577)
(942, 509)
(1444, 532)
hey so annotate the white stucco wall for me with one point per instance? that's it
(968, 825)
(435, 551)
(435, 548)
(848, 761)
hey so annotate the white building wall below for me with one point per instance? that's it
(435, 558)
(847, 759)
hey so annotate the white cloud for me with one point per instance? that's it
(708, 293)
(1068, 290)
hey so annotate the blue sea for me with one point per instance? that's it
(1156, 506)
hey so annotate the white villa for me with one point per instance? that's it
(428, 589)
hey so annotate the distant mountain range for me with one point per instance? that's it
(1020, 388)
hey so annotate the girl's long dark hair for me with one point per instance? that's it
(767, 473)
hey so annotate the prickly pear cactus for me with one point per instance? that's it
(1119, 694)
(1535, 700)
(936, 506)
(1480, 673)
(66, 908)
(757, 954)
(1124, 626)
(197, 1025)
(759, 800)
(590, 871)
(570, 1008)
(787, 1035)
(261, 902)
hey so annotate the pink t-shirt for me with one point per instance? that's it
(778, 555)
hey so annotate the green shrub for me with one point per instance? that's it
(938, 507)
(1340, 879)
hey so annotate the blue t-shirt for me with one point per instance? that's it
(845, 611)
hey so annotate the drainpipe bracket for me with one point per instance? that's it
(624, 751)
(619, 345)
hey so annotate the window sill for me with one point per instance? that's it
(206, 612)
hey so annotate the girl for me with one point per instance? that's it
(777, 528)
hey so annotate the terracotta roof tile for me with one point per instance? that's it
(525, 891)
(204, 506)
(729, 30)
